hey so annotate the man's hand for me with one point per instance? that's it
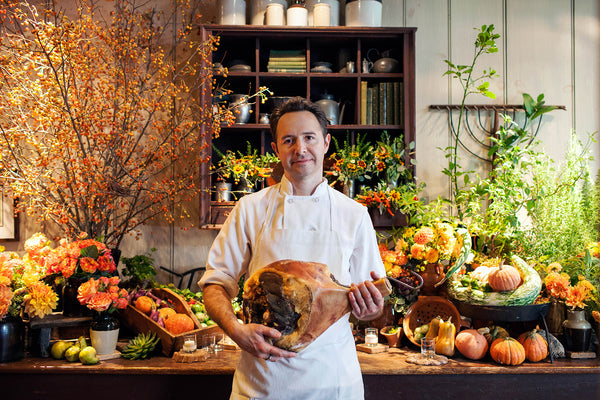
(254, 338)
(366, 300)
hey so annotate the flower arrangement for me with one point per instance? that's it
(558, 285)
(22, 290)
(389, 160)
(352, 161)
(102, 294)
(434, 243)
(248, 169)
(81, 259)
(390, 200)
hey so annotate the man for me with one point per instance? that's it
(301, 218)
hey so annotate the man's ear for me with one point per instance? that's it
(327, 140)
(274, 147)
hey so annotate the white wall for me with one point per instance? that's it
(547, 46)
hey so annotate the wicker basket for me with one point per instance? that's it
(424, 310)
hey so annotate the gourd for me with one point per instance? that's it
(434, 327)
(471, 344)
(525, 294)
(504, 278)
(493, 332)
(536, 347)
(444, 342)
(507, 351)
(179, 323)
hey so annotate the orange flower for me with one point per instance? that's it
(102, 294)
(88, 264)
(557, 284)
(6, 296)
(424, 235)
(40, 300)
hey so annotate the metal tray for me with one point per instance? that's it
(531, 312)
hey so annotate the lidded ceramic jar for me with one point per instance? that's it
(364, 13)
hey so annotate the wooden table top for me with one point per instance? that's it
(388, 363)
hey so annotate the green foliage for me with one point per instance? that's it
(140, 269)
(563, 206)
(485, 43)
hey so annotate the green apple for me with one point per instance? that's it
(59, 348)
(87, 356)
(72, 353)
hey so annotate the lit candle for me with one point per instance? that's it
(371, 338)
(189, 345)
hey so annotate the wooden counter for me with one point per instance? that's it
(386, 375)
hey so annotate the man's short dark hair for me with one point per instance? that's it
(297, 104)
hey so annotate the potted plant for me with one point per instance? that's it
(244, 170)
(351, 163)
(392, 333)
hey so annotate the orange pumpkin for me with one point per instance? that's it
(179, 323)
(536, 347)
(505, 278)
(166, 312)
(493, 332)
(471, 344)
(145, 304)
(507, 351)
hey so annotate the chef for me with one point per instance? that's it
(300, 218)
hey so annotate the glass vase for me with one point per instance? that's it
(71, 306)
(12, 339)
(577, 331)
(104, 332)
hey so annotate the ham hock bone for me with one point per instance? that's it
(300, 299)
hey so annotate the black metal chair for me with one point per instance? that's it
(191, 273)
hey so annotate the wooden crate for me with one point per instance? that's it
(139, 322)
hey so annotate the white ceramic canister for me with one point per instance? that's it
(297, 15)
(256, 10)
(232, 12)
(275, 14)
(321, 15)
(334, 11)
(363, 13)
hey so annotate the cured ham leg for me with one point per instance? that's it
(300, 299)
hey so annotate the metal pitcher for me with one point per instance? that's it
(330, 107)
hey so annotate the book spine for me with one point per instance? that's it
(369, 104)
(363, 102)
(375, 104)
(389, 110)
(382, 102)
(397, 105)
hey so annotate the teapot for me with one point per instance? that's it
(384, 63)
(331, 108)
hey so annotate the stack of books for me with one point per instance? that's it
(289, 61)
(381, 103)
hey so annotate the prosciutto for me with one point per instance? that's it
(300, 299)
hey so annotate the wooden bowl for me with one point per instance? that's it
(424, 310)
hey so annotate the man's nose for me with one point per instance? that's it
(300, 147)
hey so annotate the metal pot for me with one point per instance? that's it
(386, 64)
(241, 108)
(277, 101)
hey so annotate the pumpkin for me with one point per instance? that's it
(166, 312)
(504, 278)
(179, 323)
(536, 347)
(508, 351)
(145, 304)
(493, 332)
(471, 344)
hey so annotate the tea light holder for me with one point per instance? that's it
(189, 344)
(371, 338)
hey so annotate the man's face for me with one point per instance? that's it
(301, 146)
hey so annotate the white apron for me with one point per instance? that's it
(328, 368)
